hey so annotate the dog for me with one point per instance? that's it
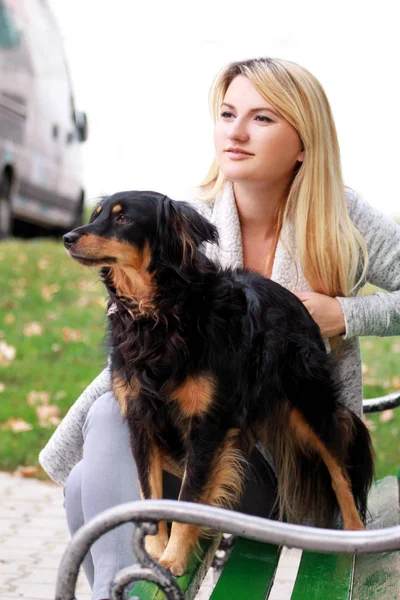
(205, 361)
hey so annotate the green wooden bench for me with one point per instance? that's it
(335, 565)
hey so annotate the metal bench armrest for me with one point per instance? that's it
(382, 403)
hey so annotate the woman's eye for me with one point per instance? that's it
(123, 219)
(226, 114)
(264, 119)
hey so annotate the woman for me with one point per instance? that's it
(276, 193)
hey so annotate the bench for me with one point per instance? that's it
(334, 564)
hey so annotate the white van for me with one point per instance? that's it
(41, 180)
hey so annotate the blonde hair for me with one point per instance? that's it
(330, 248)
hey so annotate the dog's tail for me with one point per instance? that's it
(309, 462)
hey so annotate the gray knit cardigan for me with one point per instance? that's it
(378, 314)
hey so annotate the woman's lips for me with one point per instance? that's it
(237, 153)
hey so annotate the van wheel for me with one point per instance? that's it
(6, 221)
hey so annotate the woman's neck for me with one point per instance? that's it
(258, 208)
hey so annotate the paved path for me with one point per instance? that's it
(34, 535)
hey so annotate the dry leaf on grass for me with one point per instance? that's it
(16, 425)
(26, 471)
(48, 291)
(364, 368)
(9, 319)
(369, 423)
(2, 387)
(395, 348)
(32, 329)
(71, 335)
(48, 415)
(35, 397)
(22, 258)
(396, 382)
(386, 416)
(7, 353)
(44, 262)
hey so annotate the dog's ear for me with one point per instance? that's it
(180, 232)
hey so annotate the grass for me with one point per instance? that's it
(52, 317)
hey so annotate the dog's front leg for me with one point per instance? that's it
(148, 460)
(214, 473)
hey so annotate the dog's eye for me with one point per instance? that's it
(123, 219)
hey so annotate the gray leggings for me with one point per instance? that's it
(107, 476)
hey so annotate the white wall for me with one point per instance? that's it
(142, 72)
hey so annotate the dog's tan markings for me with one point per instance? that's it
(99, 209)
(117, 208)
(195, 395)
(224, 489)
(156, 544)
(131, 277)
(340, 481)
(124, 392)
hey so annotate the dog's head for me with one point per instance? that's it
(140, 230)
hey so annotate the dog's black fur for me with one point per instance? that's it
(250, 338)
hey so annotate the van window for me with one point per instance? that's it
(9, 34)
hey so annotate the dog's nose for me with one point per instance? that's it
(70, 238)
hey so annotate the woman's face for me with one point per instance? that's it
(253, 142)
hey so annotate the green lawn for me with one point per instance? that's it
(51, 346)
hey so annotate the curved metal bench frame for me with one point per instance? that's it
(146, 514)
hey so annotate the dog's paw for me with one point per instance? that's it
(156, 544)
(176, 566)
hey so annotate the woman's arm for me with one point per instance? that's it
(379, 313)
(64, 449)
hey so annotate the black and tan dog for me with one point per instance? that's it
(206, 360)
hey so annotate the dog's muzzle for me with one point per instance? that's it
(69, 239)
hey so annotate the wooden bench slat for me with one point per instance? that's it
(362, 577)
(249, 572)
(327, 576)
(190, 582)
(377, 576)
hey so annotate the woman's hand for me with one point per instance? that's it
(325, 311)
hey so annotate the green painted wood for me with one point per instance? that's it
(149, 591)
(249, 573)
(324, 576)
(377, 576)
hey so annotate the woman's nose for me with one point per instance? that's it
(238, 131)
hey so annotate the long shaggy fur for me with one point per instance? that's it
(253, 339)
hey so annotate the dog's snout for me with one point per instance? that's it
(70, 239)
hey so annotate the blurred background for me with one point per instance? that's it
(102, 96)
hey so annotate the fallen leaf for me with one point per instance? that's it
(369, 423)
(386, 416)
(22, 258)
(364, 368)
(71, 335)
(32, 329)
(395, 348)
(26, 471)
(396, 382)
(7, 353)
(48, 291)
(9, 319)
(35, 397)
(44, 262)
(16, 425)
(2, 387)
(48, 415)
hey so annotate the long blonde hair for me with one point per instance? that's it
(331, 251)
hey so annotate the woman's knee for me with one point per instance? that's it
(104, 415)
(73, 498)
